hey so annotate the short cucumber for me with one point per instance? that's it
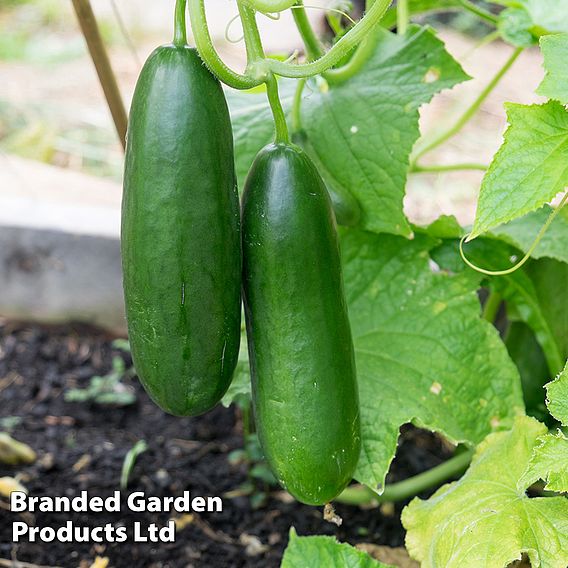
(301, 352)
(181, 234)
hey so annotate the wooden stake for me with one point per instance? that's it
(100, 58)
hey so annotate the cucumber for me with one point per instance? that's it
(181, 249)
(301, 352)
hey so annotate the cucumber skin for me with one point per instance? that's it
(181, 249)
(302, 362)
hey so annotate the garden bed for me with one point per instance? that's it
(82, 446)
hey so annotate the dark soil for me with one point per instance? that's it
(81, 446)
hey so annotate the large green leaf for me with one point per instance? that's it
(549, 462)
(530, 168)
(557, 395)
(324, 552)
(518, 289)
(486, 518)
(363, 130)
(524, 21)
(522, 232)
(550, 278)
(423, 353)
(550, 459)
(555, 51)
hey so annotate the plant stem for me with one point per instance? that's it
(492, 305)
(347, 43)
(480, 12)
(470, 112)
(297, 106)
(356, 63)
(270, 6)
(180, 32)
(253, 43)
(282, 134)
(409, 487)
(313, 47)
(402, 16)
(210, 56)
(418, 169)
(100, 58)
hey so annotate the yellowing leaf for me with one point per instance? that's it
(486, 519)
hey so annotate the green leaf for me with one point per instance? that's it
(514, 26)
(549, 462)
(486, 519)
(530, 168)
(529, 358)
(423, 353)
(550, 459)
(517, 288)
(557, 397)
(524, 21)
(522, 232)
(324, 552)
(363, 130)
(549, 278)
(555, 83)
(534, 294)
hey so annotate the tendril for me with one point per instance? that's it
(334, 10)
(228, 27)
(272, 16)
(525, 258)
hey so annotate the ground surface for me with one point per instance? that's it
(82, 446)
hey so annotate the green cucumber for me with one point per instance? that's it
(302, 362)
(181, 234)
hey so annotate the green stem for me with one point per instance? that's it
(480, 12)
(314, 49)
(418, 169)
(282, 134)
(296, 116)
(347, 43)
(356, 63)
(270, 6)
(470, 112)
(491, 307)
(210, 56)
(402, 16)
(255, 51)
(409, 487)
(180, 32)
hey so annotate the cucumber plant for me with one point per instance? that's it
(356, 330)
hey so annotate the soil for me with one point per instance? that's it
(82, 446)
